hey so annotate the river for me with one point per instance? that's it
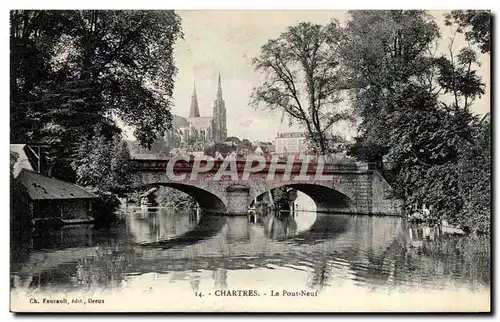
(192, 250)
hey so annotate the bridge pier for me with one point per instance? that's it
(238, 199)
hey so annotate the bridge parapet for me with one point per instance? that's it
(187, 166)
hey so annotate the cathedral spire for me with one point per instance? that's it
(194, 111)
(219, 89)
(219, 116)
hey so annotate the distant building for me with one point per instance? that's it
(291, 142)
(196, 128)
(259, 151)
(266, 147)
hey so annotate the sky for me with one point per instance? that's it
(226, 41)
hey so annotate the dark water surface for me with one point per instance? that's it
(317, 251)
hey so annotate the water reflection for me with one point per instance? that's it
(325, 250)
(161, 225)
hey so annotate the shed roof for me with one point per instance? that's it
(40, 187)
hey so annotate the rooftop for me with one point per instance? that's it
(40, 187)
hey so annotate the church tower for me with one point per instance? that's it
(219, 116)
(194, 110)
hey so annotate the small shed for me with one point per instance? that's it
(51, 198)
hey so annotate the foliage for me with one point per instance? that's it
(160, 147)
(74, 70)
(456, 74)
(474, 169)
(475, 24)
(366, 151)
(33, 35)
(225, 149)
(443, 161)
(281, 197)
(302, 81)
(105, 206)
(218, 147)
(169, 197)
(421, 133)
(381, 51)
(233, 139)
(245, 143)
(441, 151)
(103, 163)
(181, 201)
(458, 79)
(120, 167)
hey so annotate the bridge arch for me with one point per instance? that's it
(207, 200)
(327, 199)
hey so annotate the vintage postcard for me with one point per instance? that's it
(250, 161)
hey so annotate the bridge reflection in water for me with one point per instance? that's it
(203, 251)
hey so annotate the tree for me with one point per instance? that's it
(456, 71)
(120, 167)
(233, 139)
(33, 35)
(218, 147)
(103, 163)
(367, 151)
(458, 188)
(440, 150)
(73, 70)
(475, 24)
(381, 52)
(301, 67)
(245, 143)
(422, 135)
(474, 171)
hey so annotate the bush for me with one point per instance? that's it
(104, 208)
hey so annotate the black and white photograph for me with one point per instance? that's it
(250, 160)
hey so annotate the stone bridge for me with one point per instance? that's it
(339, 188)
